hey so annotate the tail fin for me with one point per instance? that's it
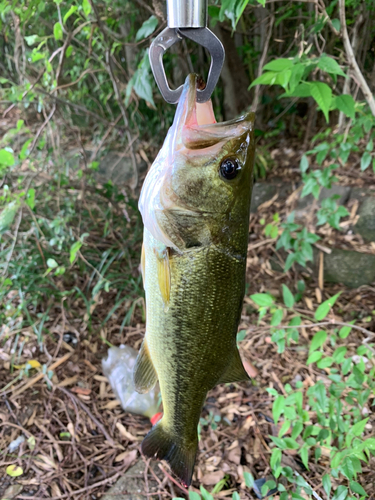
(158, 443)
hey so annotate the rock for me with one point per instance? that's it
(262, 191)
(358, 193)
(350, 268)
(132, 486)
(265, 191)
(366, 222)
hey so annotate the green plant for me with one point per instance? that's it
(338, 405)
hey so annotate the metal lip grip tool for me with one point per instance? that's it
(186, 19)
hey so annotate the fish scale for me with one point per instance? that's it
(195, 205)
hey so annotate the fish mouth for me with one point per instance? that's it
(194, 129)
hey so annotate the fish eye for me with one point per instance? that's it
(229, 168)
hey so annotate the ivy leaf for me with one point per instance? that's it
(147, 28)
(141, 82)
(325, 307)
(329, 65)
(57, 31)
(304, 164)
(7, 215)
(323, 96)
(345, 103)
(314, 357)
(51, 263)
(193, 495)
(365, 160)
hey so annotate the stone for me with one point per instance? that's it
(262, 192)
(132, 486)
(366, 222)
(360, 193)
(348, 267)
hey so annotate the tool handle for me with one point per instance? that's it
(187, 13)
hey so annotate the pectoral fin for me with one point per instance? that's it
(164, 274)
(144, 374)
(235, 372)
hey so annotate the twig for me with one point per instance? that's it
(9, 256)
(332, 323)
(104, 138)
(261, 64)
(38, 377)
(352, 60)
(42, 128)
(82, 490)
(172, 479)
(87, 410)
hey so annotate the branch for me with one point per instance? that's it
(352, 60)
(261, 64)
(117, 93)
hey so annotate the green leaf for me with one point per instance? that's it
(323, 96)
(205, 494)
(57, 31)
(318, 340)
(291, 443)
(278, 408)
(326, 480)
(341, 493)
(329, 65)
(31, 40)
(278, 65)
(262, 299)
(305, 456)
(325, 307)
(344, 332)
(304, 164)
(249, 479)
(71, 11)
(314, 357)
(365, 160)
(141, 80)
(236, 496)
(14, 470)
(359, 427)
(345, 103)
(74, 249)
(147, 28)
(51, 263)
(86, 6)
(357, 488)
(336, 24)
(301, 90)
(6, 158)
(275, 458)
(277, 317)
(288, 297)
(194, 496)
(19, 124)
(7, 215)
(267, 78)
(30, 198)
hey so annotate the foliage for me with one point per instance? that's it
(338, 404)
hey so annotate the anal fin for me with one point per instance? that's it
(235, 371)
(144, 375)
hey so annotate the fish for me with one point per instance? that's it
(195, 206)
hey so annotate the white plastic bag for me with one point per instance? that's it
(118, 368)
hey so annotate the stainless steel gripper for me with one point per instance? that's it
(186, 19)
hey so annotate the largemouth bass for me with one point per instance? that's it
(195, 205)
